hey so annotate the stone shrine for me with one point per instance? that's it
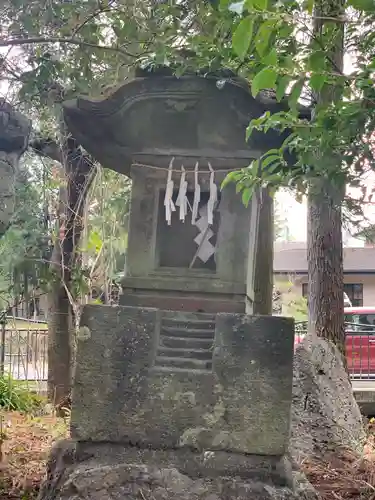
(179, 392)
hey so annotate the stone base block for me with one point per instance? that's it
(113, 472)
(160, 379)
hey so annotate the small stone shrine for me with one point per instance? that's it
(179, 392)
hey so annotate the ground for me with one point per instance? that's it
(25, 446)
(27, 441)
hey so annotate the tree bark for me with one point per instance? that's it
(325, 267)
(263, 278)
(79, 172)
(324, 242)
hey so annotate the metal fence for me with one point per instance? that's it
(23, 354)
(359, 346)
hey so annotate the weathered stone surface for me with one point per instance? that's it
(14, 135)
(253, 359)
(210, 464)
(121, 396)
(103, 480)
(325, 414)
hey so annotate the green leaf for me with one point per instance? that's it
(287, 141)
(309, 6)
(282, 86)
(317, 61)
(265, 79)
(261, 4)
(231, 177)
(263, 36)
(295, 94)
(270, 160)
(242, 37)
(247, 195)
(255, 167)
(271, 58)
(288, 62)
(317, 81)
(224, 4)
(249, 131)
(366, 5)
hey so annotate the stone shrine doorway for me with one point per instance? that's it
(184, 245)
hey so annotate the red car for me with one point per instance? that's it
(360, 341)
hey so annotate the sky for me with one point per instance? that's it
(295, 213)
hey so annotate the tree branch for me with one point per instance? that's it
(72, 41)
(47, 148)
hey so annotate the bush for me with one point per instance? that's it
(16, 396)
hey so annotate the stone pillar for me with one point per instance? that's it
(14, 136)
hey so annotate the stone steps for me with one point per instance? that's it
(188, 317)
(187, 332)
(198, 324)
(186, 341)
(185, 353)
(187, 371)
(193, 364)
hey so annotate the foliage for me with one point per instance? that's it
(288, 302)
(16, 396)
(105, 238)
(336, 143)
(24, 248)
(91, 46)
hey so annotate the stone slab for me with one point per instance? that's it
(268, 469)
(119, 396)
(96, 474)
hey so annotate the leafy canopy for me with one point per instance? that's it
(91, 46)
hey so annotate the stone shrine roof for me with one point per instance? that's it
(152, 119)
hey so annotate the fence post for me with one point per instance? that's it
(2, 352)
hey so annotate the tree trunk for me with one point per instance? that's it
(325, 268)
(60, 343)
(79, 171)
(324, 242)
(263, 278)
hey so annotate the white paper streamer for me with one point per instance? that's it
(182, 198)
(197, 196)
(213, 197)
(168, 202)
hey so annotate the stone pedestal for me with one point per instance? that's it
(152, 379)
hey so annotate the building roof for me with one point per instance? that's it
(291, 258)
